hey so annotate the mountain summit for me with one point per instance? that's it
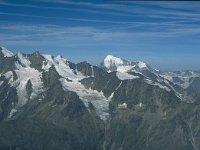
(6, 52)
(112, 63)
(48, 102)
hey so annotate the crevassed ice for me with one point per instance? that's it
(99, 101)
(24, 74)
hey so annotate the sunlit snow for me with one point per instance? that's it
(110, 60)
(12, 112)
(24, 74)
(1, 82)
(125, 76)
(99, 101)
(141, 64)
(62, 67)
(6, 52)
(157, 84)
(123, 105)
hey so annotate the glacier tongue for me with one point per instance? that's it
(100, 102)
(24, 74)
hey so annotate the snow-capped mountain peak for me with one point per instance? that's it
(6, 52)
(48, 93)
(110, 61)
(142, 64)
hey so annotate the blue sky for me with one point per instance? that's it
(166, 35)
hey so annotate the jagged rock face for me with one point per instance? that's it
(8, 98)
(194, 88)
(36, 60)
(9, 61)
(48, 117)
(51, 103)
(129, 130)
(85, 68)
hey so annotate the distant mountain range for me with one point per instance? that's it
(50, 103)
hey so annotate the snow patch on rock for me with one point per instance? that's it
(123, 105)
(157, 84)
(1, 82)
(125, 76)
(9, 76)
(12, 112)
(111, 96)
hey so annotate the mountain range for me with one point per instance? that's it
(50, 103)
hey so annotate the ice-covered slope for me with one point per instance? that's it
(99, 101)
(27, 78)
(112, 63)
(24, 74)
(179, 82)
(62, 67)
(6, 52)
(70, 81)
(126, 105)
